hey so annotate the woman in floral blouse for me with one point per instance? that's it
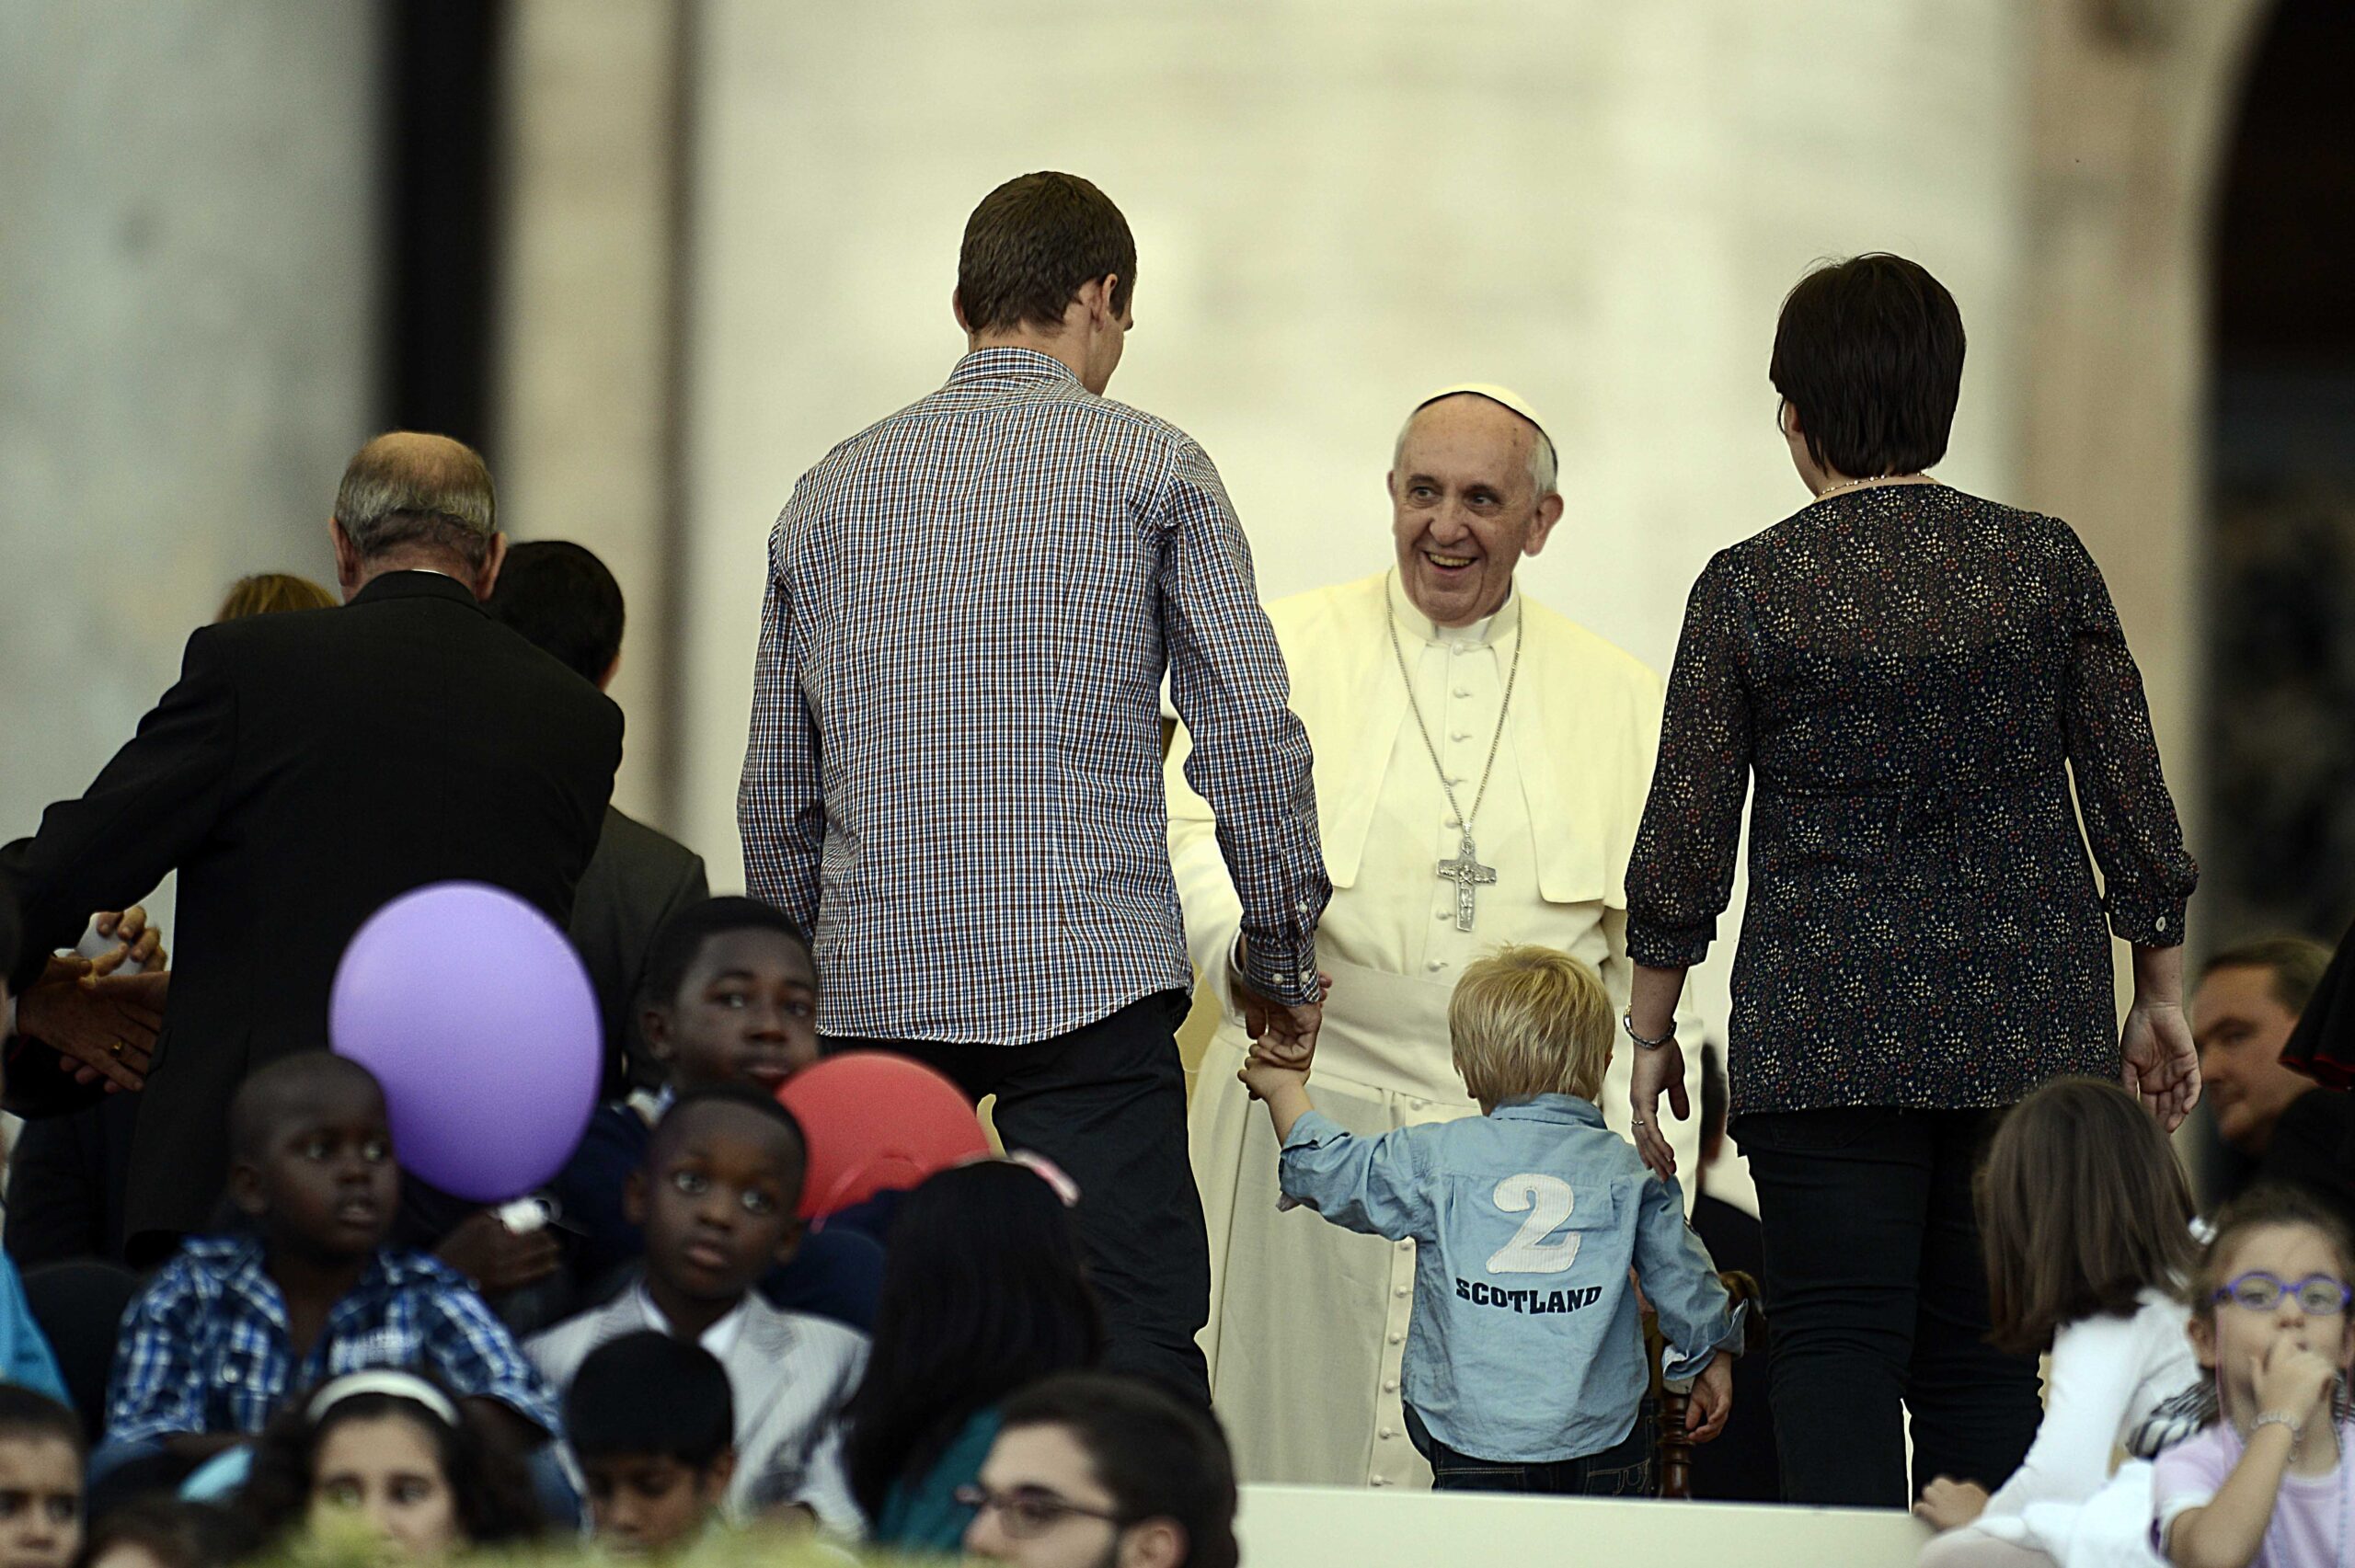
(1912, 677)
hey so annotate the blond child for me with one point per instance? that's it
(1524, 1365)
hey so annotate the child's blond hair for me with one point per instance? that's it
(1530, 1020)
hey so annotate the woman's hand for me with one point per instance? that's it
(1947, 1503)
(1655, 1070)
(2161, 1064)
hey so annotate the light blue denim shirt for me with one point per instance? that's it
(1527, 1342)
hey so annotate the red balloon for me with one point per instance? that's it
(877, 1122)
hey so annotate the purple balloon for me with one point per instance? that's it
(473, 1010)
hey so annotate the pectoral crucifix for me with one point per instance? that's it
(1466, 872)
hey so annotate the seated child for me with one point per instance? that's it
(230, 1327)
(2086, 1222)
(717, 1198)
(653, 1427)
(731, 997)
(41, 1480)
(1528, 1219)
(2268, 1483)
(394, 1453)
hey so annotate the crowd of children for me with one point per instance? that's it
(299, 1369)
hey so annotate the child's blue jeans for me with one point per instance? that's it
(1628, 1470)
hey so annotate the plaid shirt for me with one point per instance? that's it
(954, 773)
(204, 1348)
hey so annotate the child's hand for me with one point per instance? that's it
(1947, 1503)
(1263, 1076)
(1712, 1399)
(2292, 1382)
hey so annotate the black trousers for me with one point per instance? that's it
(1876, 1299)
(1107, 1103)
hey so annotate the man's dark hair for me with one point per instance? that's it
(25, 1414)
(1031, 245)
(692, 1106)
(2294, 963)
(647, 1393)
(284, 1089)
(1870, 351)
(684, 934)
(1159, 1458)
(561, 599)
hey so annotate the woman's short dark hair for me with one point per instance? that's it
(1031, 245)
(2082, 1208)
(489, 1485)
(983, 1291)
(174, 1532)
(1870, 351)
(1159, 1457)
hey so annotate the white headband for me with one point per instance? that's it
(387, 1382)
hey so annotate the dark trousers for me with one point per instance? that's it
(1876, 1299)
(1629, 1469)
(1107, 1103)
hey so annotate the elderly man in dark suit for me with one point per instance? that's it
(560, 598)
(305, 769)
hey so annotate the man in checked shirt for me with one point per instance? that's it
(953, 777)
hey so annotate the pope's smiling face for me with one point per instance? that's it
(1465, 508)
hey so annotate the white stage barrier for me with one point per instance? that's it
(1321, 1527)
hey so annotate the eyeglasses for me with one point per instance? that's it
(2318, 1294)
(1029, 1514)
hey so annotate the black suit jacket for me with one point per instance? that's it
(305, 769)
(2313, 1146)
(637, 880)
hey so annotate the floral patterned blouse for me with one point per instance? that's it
(1910, 675)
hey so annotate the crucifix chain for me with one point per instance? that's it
(1465, 870)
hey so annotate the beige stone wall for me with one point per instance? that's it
(186, 277)
(1338, 208)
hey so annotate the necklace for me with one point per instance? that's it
(1466, 870)
(1830, 490)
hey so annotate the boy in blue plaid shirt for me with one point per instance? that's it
(1525, 1367)
(234, 1325)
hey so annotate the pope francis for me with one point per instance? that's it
(1481, 768)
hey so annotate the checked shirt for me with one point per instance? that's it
(954, 773)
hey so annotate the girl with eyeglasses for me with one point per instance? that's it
(2268, 1484)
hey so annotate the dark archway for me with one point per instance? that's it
(2279, 854)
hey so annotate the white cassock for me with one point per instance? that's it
(1308, 1322)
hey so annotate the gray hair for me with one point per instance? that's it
(416, 491)
(1544, 474)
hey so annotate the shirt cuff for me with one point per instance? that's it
(1669, 946)
(1281, 967)
(2146, 920)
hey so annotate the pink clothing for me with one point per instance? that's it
(2310, 1516)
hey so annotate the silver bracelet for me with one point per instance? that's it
(1627, 1022)
(2276, 1418)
